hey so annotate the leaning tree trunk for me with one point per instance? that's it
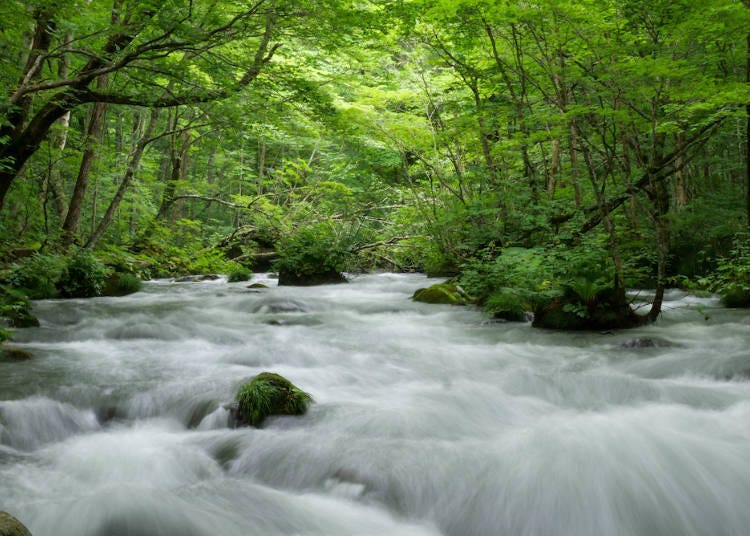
(133, 165)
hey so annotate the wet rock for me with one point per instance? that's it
(197, 278)
(22, 319)
(646, 343)
(121, 284)
(257, 286)
(323, 277)
(735, 297)
(442, 293)
(606, 310)
(286, 306)
(14, 354)
(267, 394)
(10, 526)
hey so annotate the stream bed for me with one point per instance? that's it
(428, 419)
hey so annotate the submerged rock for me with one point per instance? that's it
(14, 354)
(197, 278)
(444, 293)
(257, 286)
(10, 526)
(322, 277)
(646, 343)
(267, 394)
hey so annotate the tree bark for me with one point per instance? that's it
(133, 165)
(72, 219)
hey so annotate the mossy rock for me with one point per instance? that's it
(735, 297)
(240, 274)
(507, 304)
(607, 309)
(442, 293)
(257, 286)
(268, 394)
(308, 279)
(14, 354)
(10, 526)
(121, 284)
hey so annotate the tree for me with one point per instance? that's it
(143, 48)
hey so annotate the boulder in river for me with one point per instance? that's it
(11, 353)
(442, 293)
(606, 309)
(735, 296)
(10, 526)
(197, 278)
(268, 394)
(291, 277)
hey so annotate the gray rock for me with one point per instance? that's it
(10, 526)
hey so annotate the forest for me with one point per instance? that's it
(543, 155)
(374, 267)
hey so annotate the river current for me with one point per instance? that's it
(428, 419)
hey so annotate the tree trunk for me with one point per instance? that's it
(133, 164)
(70, 227)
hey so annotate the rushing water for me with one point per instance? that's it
(428, 419)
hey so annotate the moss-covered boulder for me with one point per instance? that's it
(444, 293)
(257, 286)
(508, 304)
(10, 526)
(605, 310)
(9, 353)
(121, 284)
(735, 297)
(269, 394)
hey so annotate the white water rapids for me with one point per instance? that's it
(428, 420)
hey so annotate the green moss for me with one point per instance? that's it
(270, 394)
(10, 526)
(507, 304)
(240, 274)
(442, 293)
(121, 285)
(606, 309)
(735, 297)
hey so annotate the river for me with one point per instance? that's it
(428, 419)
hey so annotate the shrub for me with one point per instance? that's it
(38, 276)
(313, 254)
(732, 278)
(83, 277)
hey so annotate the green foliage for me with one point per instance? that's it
(37, 276)
(15, 311)
(270, 394)
(319, 248)
(121, 284)
(732, 276)
(239, 274)
(83, 276)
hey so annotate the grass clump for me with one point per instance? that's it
(270, 394)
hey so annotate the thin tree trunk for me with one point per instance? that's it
(70, 227)
(133, 165)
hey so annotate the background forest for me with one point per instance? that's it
(544, 151)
